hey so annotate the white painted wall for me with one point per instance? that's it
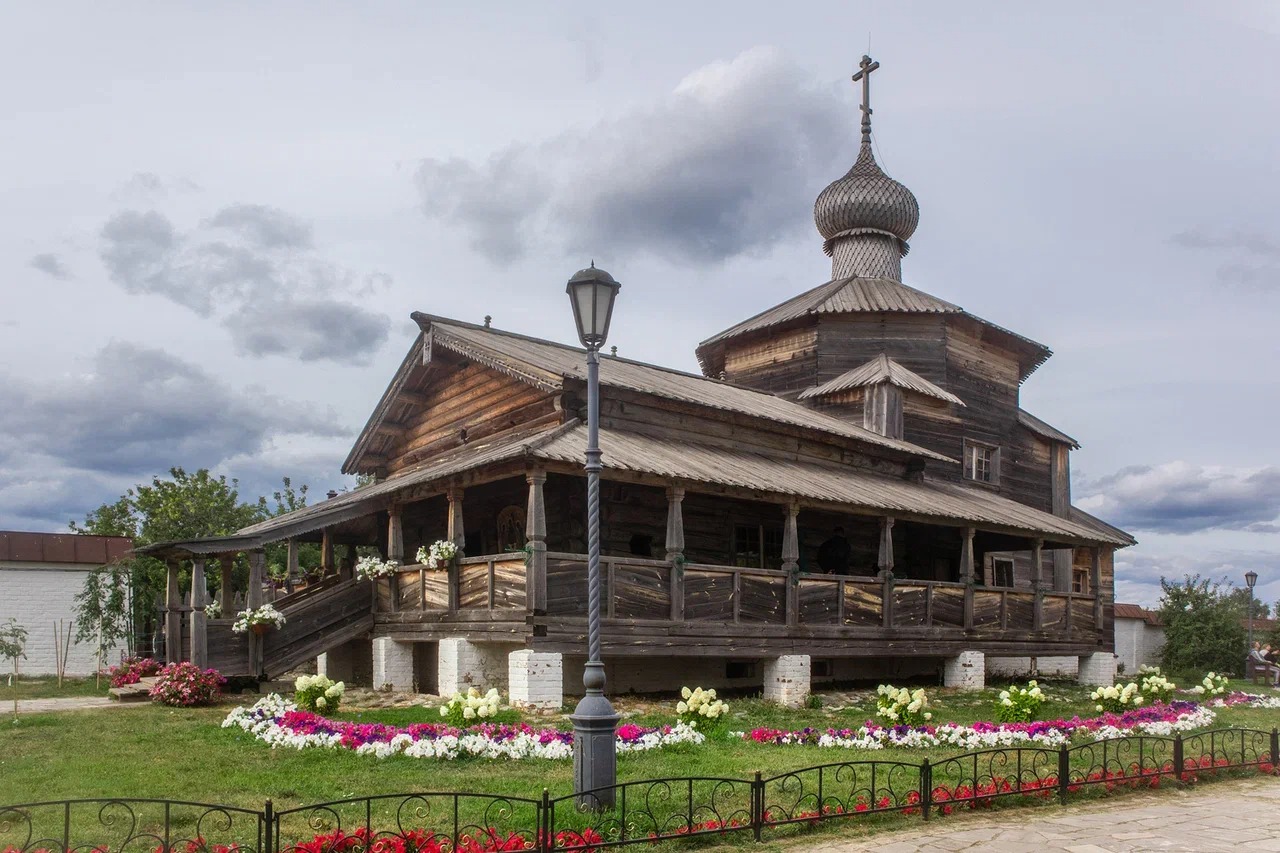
(1138, 644)
(38, 595)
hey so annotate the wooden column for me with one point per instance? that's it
(395, 535)
(885, 560)
(967, 575)
(253, 599)
(172, 614)
(291, 559)
(227, 593)
(1037, 583)
(675, 550)
(791, 562)
(199, 627)
(457, 535)
(326, 553)
(1095, 586)
(535, 538)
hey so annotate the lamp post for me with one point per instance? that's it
(1250, 578)
(595, 760)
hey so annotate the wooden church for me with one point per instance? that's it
(850, 491)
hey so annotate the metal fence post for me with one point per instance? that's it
(545, 842)
(1274, 757)
(1177, 757)
(757, 806)
(1064, 773)
(926, 788)
(269, 822)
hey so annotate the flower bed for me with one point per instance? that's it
(1156, 719)
(279, 723)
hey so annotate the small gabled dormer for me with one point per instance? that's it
(877, 393)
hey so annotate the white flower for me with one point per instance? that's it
(321, 702)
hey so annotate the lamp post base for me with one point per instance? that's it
(595, 748)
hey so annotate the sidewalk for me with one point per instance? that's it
(67, 703)
(1213, 816)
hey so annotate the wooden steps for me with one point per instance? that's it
(140, 692)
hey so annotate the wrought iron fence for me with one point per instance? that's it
(644, 812)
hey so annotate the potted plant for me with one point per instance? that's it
(439, 555)
(259, 620)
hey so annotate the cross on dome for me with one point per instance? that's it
(865, 67)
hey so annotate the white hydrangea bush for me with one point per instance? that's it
(701, 710)
(318, 694)
(467, 709)
(1117, 698)
(1212, 686)
(900, 706)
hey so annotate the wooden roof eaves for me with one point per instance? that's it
(542, 380)
(411, 361)
(1045, 430)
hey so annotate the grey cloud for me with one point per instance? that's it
(264, 227)
(150, 186)
(1257, 256)
(1138, 573)
(255, 269)
(1181, 498)
(310, 331)
(714, 171)
(138, 405)
(50, 264)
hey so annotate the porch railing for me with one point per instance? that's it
(637, 589)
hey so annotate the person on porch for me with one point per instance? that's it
(835, 554)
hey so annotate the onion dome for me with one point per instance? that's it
(866, 200)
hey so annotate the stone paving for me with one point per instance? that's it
(1213, 816)
(70, 703)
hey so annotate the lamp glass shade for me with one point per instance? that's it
(1250, 578)
(592, 299)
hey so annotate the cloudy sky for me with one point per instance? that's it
(216, 220)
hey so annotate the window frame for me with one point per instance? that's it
(996, 563)
(760, 546)
(969, 462)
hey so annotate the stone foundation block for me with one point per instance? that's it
(392, 664)
(786, 680)
(1097, 669)
(535, 679)
(463, 664)
(965, 671)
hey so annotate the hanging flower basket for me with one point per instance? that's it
(260, 628)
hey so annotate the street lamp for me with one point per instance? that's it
(595, 760)
(1250, 578)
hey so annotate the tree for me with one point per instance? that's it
(117, 601)
(1239, 599)
(1202, 630)
(13, 645)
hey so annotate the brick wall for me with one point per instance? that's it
(1138, 643)
(38, 596)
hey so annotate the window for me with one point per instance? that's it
(1002, 568)
(739, 669)
(981, 462)
(1080, 581)
(757, 546)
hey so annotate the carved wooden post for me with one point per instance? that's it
(457, 535)
(1037, 582)
(253, 599)
(227, 593)
(535, 537)
(885, 564)
(199, 627)
(675, 549)
(395, 553)
(172, 615)
(1095, 586)
(967, 575)
(791, 562)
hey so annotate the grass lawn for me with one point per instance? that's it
(46, 687)
(163, 753)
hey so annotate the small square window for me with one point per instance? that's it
(739, 669)
(821, 669)
(1003, 570)
(981, 462)
(1080, 581)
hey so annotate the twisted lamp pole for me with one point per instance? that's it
(595, 760)
(1250, 578)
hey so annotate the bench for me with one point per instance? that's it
(1259, 673)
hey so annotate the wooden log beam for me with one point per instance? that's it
(884, 562)
(457, 535)
(172, 614)
(226, 594)
(1095, 586)
(1037, 583)
(967, 575)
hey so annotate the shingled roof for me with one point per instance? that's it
(857, 296)
(881, 369)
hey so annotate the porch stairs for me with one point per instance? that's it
(318, 618)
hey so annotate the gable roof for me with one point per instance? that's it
(1079, 516)
(881, 369)
(1137, 611)
(1043, 429)
(548, 364)
(857, 296)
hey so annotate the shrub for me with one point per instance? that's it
(1157, 688)
(813, 700)
(700, 709)
(1212, 685)
(317, 693)
(1019, 704)
(131, 670)
(185, 685)
(1117, 699)
(466, 709)
(899, 706)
